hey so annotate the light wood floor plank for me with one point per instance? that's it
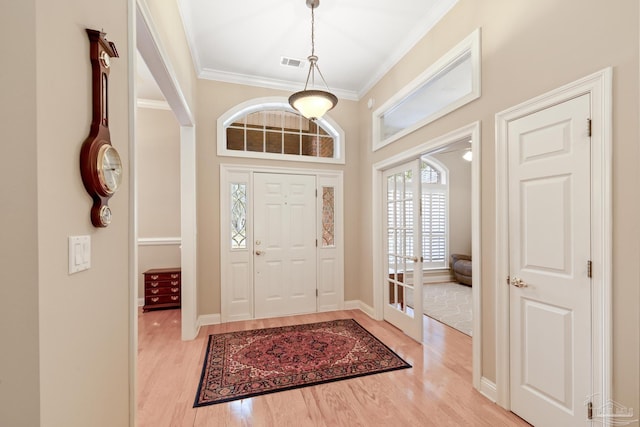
(436, 391)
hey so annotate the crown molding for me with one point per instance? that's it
(243, 79)
(153, 104)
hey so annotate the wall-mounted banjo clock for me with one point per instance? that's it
(100, 164)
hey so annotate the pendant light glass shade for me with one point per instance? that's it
(313, 103)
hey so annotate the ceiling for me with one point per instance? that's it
(357, 41)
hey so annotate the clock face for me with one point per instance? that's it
(109, 168)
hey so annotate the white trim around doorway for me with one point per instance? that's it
(148, 43)
(471, 131)
(599, 87)
(334, 281)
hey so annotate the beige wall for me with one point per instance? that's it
(214, 99)
(19, 332)
(529, 48)
(84, 318)
(158, 188)
(68, 342)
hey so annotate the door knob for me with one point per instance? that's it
(518, 282)
(259, 252)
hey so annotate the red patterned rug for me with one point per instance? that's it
(250, 363)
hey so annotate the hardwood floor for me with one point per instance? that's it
(437, 391)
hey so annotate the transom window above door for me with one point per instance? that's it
(269, 128)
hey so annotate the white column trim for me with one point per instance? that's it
(148, 43)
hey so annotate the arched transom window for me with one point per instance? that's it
(268, 128)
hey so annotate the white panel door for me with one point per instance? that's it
(403, 246)
(285, 244)
(549, 251)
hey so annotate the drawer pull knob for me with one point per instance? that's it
(154, 284)
(174, 283)
(154, 277)
(174, 276)
(174, 298)
(155, 299)
(175, 289)
(155, 291)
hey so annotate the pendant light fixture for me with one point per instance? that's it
(313, 103)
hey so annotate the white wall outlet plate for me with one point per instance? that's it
(79, 253)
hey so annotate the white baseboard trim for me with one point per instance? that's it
(488, 389)
(216, 319)
(359, 305)
(208, 319)
(438, 278)
(140, 302)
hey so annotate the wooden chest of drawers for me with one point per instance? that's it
(161, 288)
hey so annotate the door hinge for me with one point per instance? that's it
(316, 243)
(508, 280)
(590, 411)
(589, 269)
(317, 189)
(316, 293)
(589, 126)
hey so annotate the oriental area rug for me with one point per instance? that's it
(243, 364)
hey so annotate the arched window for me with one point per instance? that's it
(269, 128)
(434, 215)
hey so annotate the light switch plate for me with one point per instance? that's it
(79, 253)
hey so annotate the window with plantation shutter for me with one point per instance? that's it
(434, 217)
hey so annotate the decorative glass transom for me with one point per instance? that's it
(279, 132)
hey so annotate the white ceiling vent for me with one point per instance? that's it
(292, 62)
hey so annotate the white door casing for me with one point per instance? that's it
(237, 264)
(549, 251)
(403, 249)
(285, 244)
(519, 254)
(380, 286)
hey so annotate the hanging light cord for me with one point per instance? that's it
(313, 32)
(313, 58)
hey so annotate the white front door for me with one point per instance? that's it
(403, 246)
(285, 244)
(549, 255)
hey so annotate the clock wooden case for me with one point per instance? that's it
(100, 164)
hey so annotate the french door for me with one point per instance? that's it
(403, 249)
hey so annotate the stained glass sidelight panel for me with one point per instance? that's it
(238, 216)
(328, 224)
